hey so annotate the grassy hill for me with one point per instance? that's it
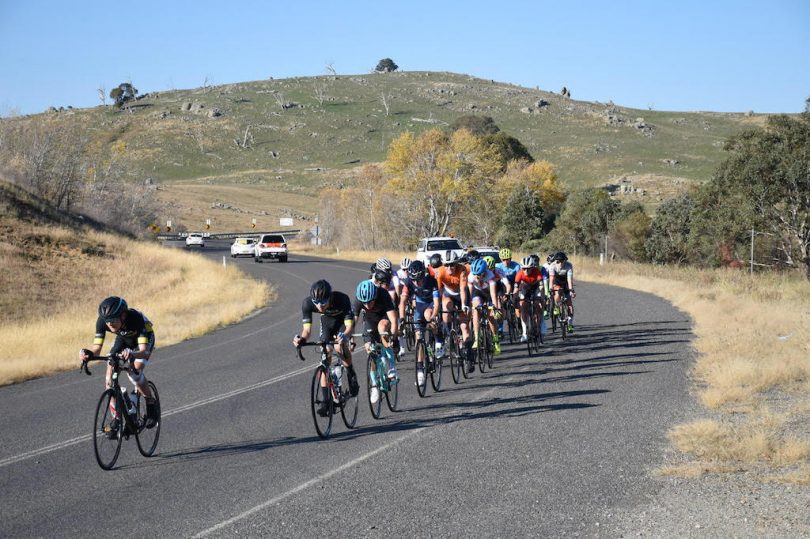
(305, 132)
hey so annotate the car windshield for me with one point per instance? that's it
(244, 241)
(273, 239)
(443, 245)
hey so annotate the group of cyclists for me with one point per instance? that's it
(472, 287)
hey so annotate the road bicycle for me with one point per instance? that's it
(426, 362)
(534, 334)
(559, 313)
(454, 349)
(408, 328)
(121, 414)
(377, 364)
(336, 379)
(511, 319)
(486, 347)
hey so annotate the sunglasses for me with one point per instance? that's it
(322, 302)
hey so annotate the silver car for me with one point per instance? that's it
(243, 247)
(195, 239)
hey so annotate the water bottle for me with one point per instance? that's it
(134, 397)
(337, 375)
(128, 402)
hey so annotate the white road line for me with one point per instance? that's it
(327, 475)
(67, 443)
(304, 486)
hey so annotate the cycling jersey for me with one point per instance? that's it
(340, 308)
(560, 275)
(509, 270)
(422, 293)
(481, 282)
(135, 330)
(451, 284)
(382, 304)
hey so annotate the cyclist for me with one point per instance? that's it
(434, 263)
(401, 275)
(452, 282)
(380, 317)
(134, 342)
(337, 321)
(483, 291)
(562, 279)
(508, 269)
(423, 290)
(529, 280)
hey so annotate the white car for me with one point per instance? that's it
(195, 239)
(271, 246)
(243, 247)
(442, 245)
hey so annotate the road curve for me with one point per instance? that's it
(537, 447)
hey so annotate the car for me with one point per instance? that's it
(444, 245)
(195, 239)
(243, 246)
(494, 252)
(271, 246)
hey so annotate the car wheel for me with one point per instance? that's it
(257, 259)
(283, 258)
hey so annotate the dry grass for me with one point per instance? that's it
(184, 295)
(753, 344)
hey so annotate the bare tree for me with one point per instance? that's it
(330, 68)
(386, 101)
(320, 91)
(247, 139)
(102, 94)
(280, 101)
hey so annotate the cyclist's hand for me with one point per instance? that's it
(367, 346)
(465, 309)
(125, 354)
(85, 354)
(297, 340)
(352, 345)
(498, 314)
(573, 294)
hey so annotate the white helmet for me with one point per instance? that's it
(383, 264)
(405, 264)
(528, 262)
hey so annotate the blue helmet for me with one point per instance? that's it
(478, 266)
(366, 291)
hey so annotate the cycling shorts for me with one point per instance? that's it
(528, 290)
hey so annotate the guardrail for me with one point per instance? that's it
(229, 235)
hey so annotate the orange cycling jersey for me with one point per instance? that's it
(451, 284)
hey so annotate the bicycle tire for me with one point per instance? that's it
(482, 349)
(438, 363)
(323, 424)
(490, 349)
(456, 363)
(513, 323)
(147, 439)
(107, 449)
(348, 404)
(410, 334)
(420, 360)
(530, 327)
(371, 369)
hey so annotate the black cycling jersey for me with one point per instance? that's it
(340, 308)
(136, 329)
(382, 304)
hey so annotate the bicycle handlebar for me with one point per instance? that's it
(109, 358)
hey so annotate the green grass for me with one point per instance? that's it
(300, 149)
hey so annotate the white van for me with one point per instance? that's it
(440, 244)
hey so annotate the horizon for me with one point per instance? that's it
(724, 57)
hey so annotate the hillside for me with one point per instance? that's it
(262, 149)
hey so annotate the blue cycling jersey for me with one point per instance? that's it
(508, 270)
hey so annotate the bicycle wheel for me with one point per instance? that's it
(392, 394)
(323, 423)
(348, 404)
(147, 438)
(410, 334)
(482, 349)
(490, 347)
(436, 371)
(513, 323)
(108, 431)
(564, 324)
(419, 367)
(530, 327)
(372, 384)
(456, 363)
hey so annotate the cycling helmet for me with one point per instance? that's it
(550, 258)
(416, 270)
(560, 257)
(435, 260)
(472, 254)
(405, 264)
(383, 264)
(111, 308)
(490, 261)
(454, 259)
(528, 262)
(366, 292)
(320, 291)
(382, 277)
(506, 253)
(478, 266)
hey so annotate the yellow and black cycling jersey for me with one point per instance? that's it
(136, 329)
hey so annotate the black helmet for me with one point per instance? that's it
(416, 270)
(536, 258)
(320, 291)
(435, 260)
(560, 257)
(111, 308)
(472, 254)
(382, 277)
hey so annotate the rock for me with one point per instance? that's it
(214, 113)
(526, 110)
(185, 107)
(542, 103)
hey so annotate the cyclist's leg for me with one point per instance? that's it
(384, 326)
(476, 317)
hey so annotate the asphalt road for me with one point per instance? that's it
(540, 447)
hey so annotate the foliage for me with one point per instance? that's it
(386, 65)
(477, 125)
(508, 147)
(122, 93)
(586, 217)
(764, 184)
(669, 231)
(630, 232)
(522, 219)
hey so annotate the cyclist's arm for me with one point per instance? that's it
(462, 290)
(493, 293)
(394, 319)
(306, 317)
(403, 301)
(571, 279)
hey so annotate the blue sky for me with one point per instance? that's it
(689, 55)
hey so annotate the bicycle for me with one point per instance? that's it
(563, 316)
(338, 391)
(408, 328)
(486, 349)
(109, 431)
(376, 366)
(427, 363)
(510, 319)
(454, 349)
(534, 334)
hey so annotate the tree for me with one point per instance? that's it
(630, 231)
(477, 125)
(508, 147)
(523, 218)
(669, 231)
(386, 65)
(588, 215)
(123, 93)
(766, 180)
